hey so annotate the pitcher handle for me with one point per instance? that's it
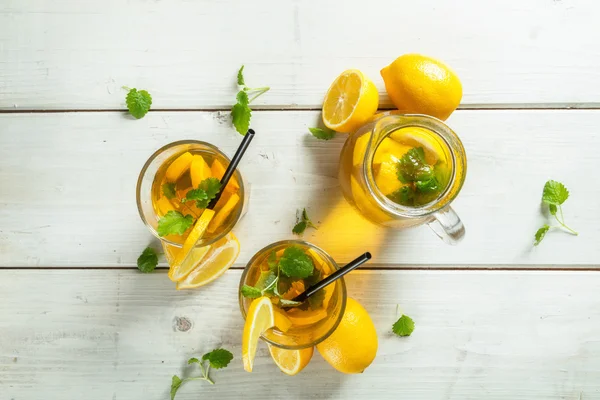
(448, 226)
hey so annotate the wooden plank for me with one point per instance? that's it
(73, 54)
(68, 188)
(113, 335)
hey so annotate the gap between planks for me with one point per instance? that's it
(488, 107)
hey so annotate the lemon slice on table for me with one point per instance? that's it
(351, 100)
(260, 317)
(214, 263)
(290, 362)
(190, 254)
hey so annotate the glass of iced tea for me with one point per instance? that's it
(283, 270)
(405, 170)
(174, 188)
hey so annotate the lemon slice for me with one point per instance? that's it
(419, 137)
(213, 263)
(260, 317)
(199, 170)
(290, 362)
(190, 254)
(300, 318)
(350, 101)
(179, 166)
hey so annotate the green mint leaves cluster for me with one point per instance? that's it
(174, 222)
(241, 111)
(217, 359)
(302, 222)
(294, 265)
(322, 133)
(423, 181)
(138, 102)
(554, 195)
(206, 191)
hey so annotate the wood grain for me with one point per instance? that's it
(122, 335)
(74, 54)
(68, 188)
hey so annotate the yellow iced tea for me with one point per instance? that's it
(188, 171)
(267, 275)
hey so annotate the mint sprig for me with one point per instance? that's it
(554, 195)
(241, 113)
(206, 191)
(217, 359)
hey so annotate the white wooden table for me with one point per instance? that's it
(496, 318)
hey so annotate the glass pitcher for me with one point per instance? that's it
(358, 182)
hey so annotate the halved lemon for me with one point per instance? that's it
(350, 101)
(260, 317)
(290, 362)
(214, 263)
(190, 254)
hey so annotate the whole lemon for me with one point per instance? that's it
(353, 345)
(422, 85)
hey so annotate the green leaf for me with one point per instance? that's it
(553, 209)
(240, 117)
(206, 191)
(283, 285)
(405, 196)
(138, 102)
(168, 190)
(240, 76)
(554, 193)
(174, 223)
(175, 384)
(148, 260)
(404, 326)
(265, 280)
(323, 134)
(242, 98)
(428, 186)
(299, 228)
(539, 235)
(211, 186)
(251, 292)
(194, 360)
(294, 263)
(412, 166)
(218, 358)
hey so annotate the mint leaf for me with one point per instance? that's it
(554, 193)
(265, 280)
(323, 134)
(405, 196)
(168, 190)
(289, 303)
(539, 235)
(404, 326)
(412, 166)
(272, 262)
(429, 186)
(148, 260)
(251, 292)
(207, 190)
(302, 223)
(294, 263)
(240, 116)
(553, 209)
(138, 102)
(174, 223)
(175, 385)
(283, 285)
(218, 358)
(240, 76)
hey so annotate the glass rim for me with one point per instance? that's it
(147, 164)
(441, 130)
(339, 281)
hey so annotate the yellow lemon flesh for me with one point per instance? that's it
(213, 263)
(352, 347)
(224, 212)
(179, 167)
(199, 170)
(290, 362)
(422, 85)
(351, 100)
(260, 317)
(190, 254)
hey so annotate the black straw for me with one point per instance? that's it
(237, 157)
(337, 274)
